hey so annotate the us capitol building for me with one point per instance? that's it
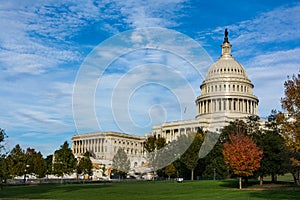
(226, 95)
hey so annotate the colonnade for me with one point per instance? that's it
(105, 145)
(93, 145)
(171, 134)
(248, 106)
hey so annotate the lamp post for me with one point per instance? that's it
(26, 167)
(214, 174)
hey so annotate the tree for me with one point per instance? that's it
(153, 146)
(17, 161)
(191, 155)
(36, 165)
(4, 171)
(170, 170)
(64, 160)
(3, 162)
(2, 139)
(152, 143)
(49, 166)
(242, 155)
(120, 162)
(274, 161)
(291, 122)
(85, 165)
(215, 164)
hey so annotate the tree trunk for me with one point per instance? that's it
(192, 174)
(1, 184)
(240, 183)
(274, 178)
(261, 179)
(246, 181)
(297, 177)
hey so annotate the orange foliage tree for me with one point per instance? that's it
(242, 155)
(290, 122)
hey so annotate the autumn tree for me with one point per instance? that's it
(170, 170)
(214, 161)
(291, 122)
(64, 160)
(242, 155)
(121, 163)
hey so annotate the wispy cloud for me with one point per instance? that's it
(267, 46)
(41, 51)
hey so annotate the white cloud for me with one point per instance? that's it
(267, 47)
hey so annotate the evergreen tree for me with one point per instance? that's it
(64, 160)
(191, 155)
(274, 161)
(49, 166)
(17, 161)
(3, 162)
(85, 165)
(35, 163)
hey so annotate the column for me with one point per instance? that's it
(227, 104)
(256, 108)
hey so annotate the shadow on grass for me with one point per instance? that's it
(46, 190)
(275, 194)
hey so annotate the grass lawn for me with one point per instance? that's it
(150, 190)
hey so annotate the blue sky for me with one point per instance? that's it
(44, 43)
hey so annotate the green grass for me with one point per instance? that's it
(149, 190)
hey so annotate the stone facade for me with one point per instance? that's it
(104, 145)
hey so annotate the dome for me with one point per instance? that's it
(226, 67)
(226, 91)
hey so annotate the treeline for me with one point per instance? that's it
(19, 162)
